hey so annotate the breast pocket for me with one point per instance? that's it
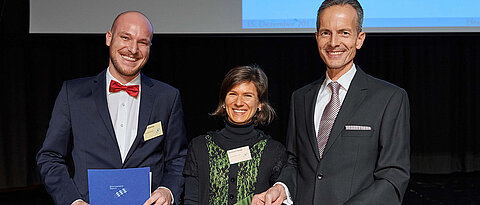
(357, 133)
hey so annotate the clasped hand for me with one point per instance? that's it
(273, 196)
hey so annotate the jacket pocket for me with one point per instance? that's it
(357, 133)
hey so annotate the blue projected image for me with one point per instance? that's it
(280, 14)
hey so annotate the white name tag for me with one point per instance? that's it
(152, 131)
(239, 155)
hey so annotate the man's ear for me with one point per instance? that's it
(108, 38)
(360, 39)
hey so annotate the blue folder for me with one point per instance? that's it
(119, 186)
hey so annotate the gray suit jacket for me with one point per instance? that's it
(358, 166)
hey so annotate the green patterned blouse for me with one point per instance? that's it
(219, 172)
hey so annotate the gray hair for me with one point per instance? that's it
(354, 3)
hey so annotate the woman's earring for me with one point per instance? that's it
(223, 106)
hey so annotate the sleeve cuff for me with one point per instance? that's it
(77, 201)
(171, 194)
(288, 200)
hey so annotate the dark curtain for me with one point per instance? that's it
(439, 71)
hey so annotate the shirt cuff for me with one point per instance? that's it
(288, 200)
(171, 194)
(77, 201)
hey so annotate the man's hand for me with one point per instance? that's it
(80, 202)
(273, 196)
(161, 196)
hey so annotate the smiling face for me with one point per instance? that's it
(129, 42)
(338, 39)
(241, 103)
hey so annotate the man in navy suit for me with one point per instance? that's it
(107, 122)
(348, 137)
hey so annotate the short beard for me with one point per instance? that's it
(124, 72)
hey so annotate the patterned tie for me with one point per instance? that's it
(328, 117)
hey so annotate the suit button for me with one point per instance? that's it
(232, 179)
(319, 177)
(231, 196)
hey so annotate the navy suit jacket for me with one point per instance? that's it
(81, 130)
(358, 166)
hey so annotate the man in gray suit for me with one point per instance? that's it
(349, 133)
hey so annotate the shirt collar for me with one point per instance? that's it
(345, 79)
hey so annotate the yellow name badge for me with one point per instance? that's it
(239, 155)
(153, 130)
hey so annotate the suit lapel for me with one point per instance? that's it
(355, 96)
(310, 101)
(147, 98)
(99, 93)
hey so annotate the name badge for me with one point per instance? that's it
(239, 155)
(153, 130)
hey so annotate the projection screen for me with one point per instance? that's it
(251, 16)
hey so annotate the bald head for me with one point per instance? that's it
(132, 17)
(129, 40)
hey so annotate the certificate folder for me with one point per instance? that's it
(119, 186)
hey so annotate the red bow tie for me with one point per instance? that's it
(115, 86)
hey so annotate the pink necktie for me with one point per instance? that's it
(328, 117)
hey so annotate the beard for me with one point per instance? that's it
(125, 72)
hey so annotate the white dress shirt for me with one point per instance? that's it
(124, 110)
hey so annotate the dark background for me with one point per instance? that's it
(440, 72)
